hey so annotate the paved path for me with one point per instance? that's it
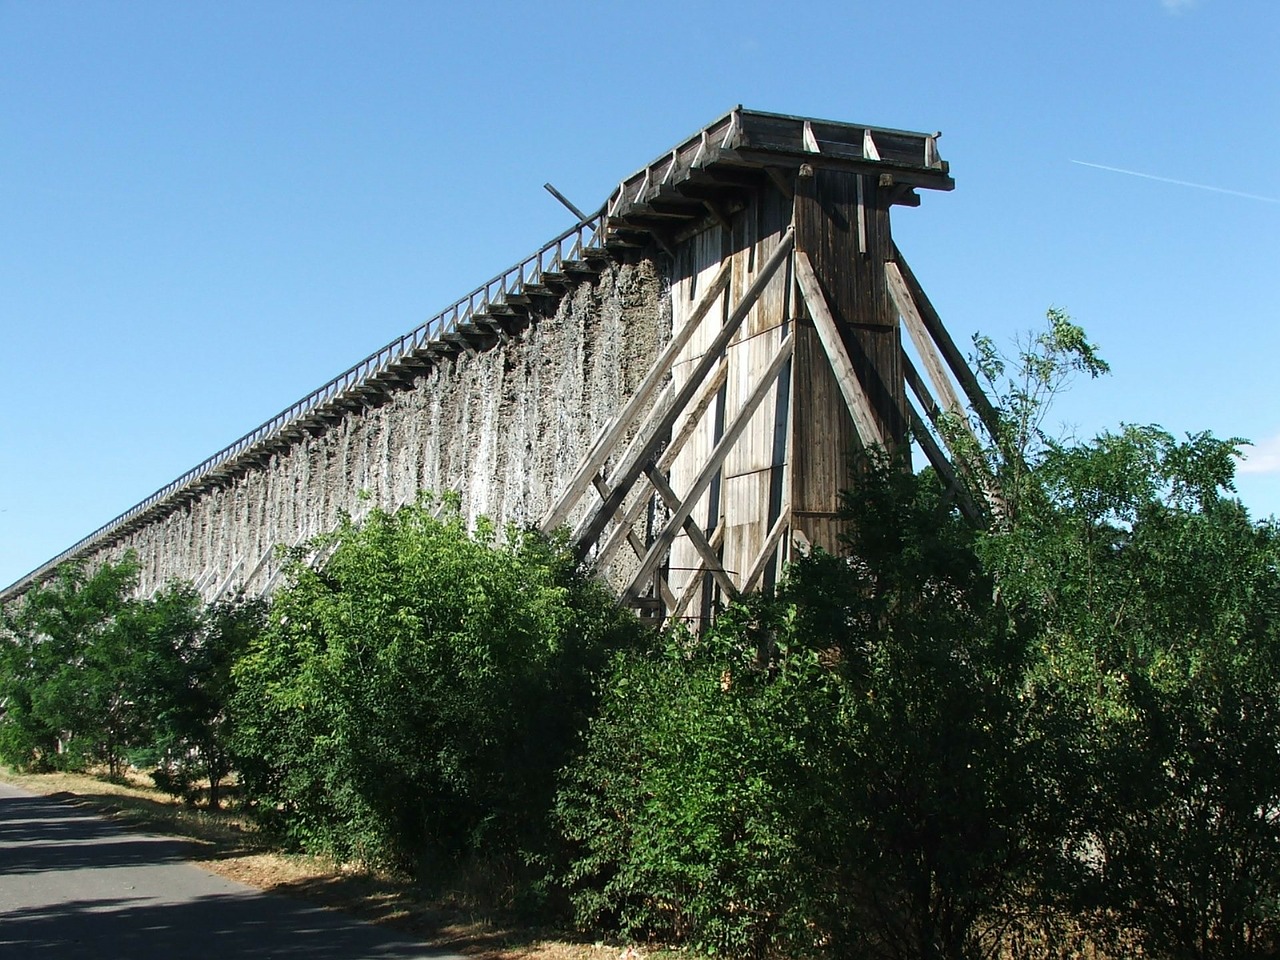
(73, 886)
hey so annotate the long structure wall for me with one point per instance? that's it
(499, 426)
(679, 378)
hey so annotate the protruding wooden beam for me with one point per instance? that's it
(978, 399)
(855, 397)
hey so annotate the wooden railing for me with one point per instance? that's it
(581, 241)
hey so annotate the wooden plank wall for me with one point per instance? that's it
(796, 453)
(751, 489)
(844, 229)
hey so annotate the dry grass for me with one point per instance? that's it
(226, 844)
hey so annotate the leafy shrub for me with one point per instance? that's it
(409, 703)
(177, 779)
(842, 768)
(685, 806)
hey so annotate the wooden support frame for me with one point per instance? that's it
(227, 581)
(257, 567)
(662, 544)
(946, 468)
(938, 460)
(599, 452)
(700, 404)
(593, 525)
(692, 588)
(917, 385)
(664, 590)
(710, 560)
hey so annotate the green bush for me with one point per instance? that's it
(686, 805)
(409, 703)
(842, 769)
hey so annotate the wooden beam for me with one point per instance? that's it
(693, 531)
(630, 469)
(599, 452)
(975, 472)
(910, 314)
(637, 545)
(942, 465)
(257, 567)
(227, 582)
(204, 578)
(690, 423)
(662, 545)
(771, 542)
(912, 376)
(955, 359)
(695, 582)
(716, 213)
(855, 397)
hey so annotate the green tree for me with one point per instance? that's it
(1156, 599)
(58, 692)
(185, 654)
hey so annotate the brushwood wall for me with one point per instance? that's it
(501, 426)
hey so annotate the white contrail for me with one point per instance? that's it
(1181, 183)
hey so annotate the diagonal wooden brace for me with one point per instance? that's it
(955, 359)
(855, 397)
(694, 532)
(771, 542)
(658, 428)
(662, 545)
(695, 582)
(700, 404)
(668, 598)
(604, 445)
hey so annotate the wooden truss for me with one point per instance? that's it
(625, 494)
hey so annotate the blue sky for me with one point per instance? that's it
(208, 209)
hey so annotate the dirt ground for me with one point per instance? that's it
(225, 844)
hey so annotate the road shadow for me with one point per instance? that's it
(247, 926)
(40, 834)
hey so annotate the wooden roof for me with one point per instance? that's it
(707, 175)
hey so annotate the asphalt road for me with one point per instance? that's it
(74, 885)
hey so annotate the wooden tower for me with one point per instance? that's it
(788, 300)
